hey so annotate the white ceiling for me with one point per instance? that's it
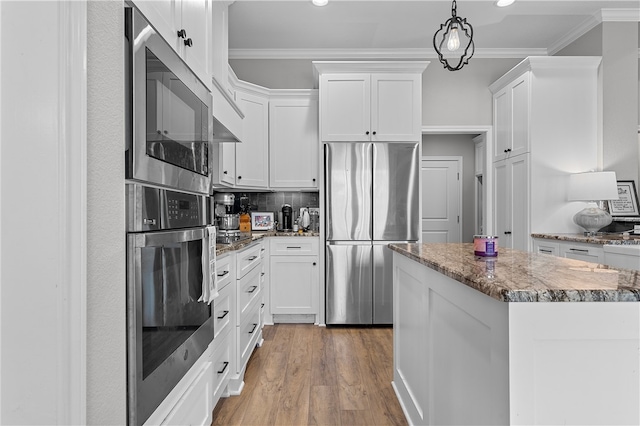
(404, 29)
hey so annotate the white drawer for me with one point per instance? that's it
(223, 308)
(588, 252)
(224, 270)
(248, 290)
(294, 246)
(248, 334)
(546, 247)
(222, 365)
(247, 259)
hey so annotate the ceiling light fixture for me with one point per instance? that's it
(320, 2)
(450, 33)
(504, 3)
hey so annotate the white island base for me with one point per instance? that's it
(462, 357)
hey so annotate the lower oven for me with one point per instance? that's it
(170, 284)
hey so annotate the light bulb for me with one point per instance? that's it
(454, 41)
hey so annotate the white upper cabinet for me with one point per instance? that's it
(293, 143)
(511, 107)
(252, 155)
(187, 26)
(370, 101)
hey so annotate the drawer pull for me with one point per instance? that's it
(579, 250)
(223, 274)
(252, 289)
(293, 247)
(262, 274)
(262, 305)
(226, 364)
(546, 251)
(254, 328)
(224, 314)
(252, 258)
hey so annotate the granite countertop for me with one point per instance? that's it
(615, 239)
(517, 276)
(255, 236)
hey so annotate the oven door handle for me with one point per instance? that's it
(154, 239)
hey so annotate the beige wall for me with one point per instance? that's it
(449, 98)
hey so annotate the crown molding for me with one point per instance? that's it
(575, 33)
(620, 15)
(373, 54)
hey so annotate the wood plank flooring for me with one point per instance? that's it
(309, 375)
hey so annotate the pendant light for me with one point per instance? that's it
(454, 34)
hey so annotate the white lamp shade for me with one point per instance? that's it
(593, 186)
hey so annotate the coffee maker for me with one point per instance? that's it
(287, 217)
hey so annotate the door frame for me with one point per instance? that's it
(459, 160)
(487, 131)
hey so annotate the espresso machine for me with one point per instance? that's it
(226, 220)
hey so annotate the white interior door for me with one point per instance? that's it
(441, 199)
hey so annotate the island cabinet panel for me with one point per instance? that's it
(524, 339)
(451, 349)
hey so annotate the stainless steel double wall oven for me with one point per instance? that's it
(169, 249)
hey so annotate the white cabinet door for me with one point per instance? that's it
(192, 16)
(511, 109)
(228, 163)
(197, 22)
(346, 107)
(396, 107)
(252, 155)
(196, 405)
(293, 143)
(294, 284)
(511, 202)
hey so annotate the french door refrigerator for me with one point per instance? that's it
(371, 201)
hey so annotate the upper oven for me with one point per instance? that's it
(169, 113)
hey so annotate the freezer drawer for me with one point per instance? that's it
(349, 291)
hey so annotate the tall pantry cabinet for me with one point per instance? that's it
(545, 115)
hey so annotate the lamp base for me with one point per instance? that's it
(592, 218)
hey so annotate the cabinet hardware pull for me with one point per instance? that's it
(374, 132)
(239, 177)
(225, 172)
(366, 133)
(262, 274)
(254, 328)
(224, 315)
(507, 232)
(262, 305)
(252, 258)
(182, 33)
(226, 364)
(294, 247)
(314, 179)
(188, 42)
(223, 274)
(545, 251)
(253, 288)
(579, 250)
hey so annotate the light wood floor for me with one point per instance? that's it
(309, 375)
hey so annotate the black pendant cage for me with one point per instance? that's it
(443, 33)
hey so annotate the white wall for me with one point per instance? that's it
(448, 98)
(106, 302)
(463, 146)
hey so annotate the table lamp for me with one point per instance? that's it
(593, 187)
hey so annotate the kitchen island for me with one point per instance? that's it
(520, 339)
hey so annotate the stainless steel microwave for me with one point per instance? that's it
(169, 113)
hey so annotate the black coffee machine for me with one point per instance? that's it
(287, 217)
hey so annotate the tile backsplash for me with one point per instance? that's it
(273, 201)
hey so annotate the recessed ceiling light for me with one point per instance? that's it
(504, 3)
(320, 2)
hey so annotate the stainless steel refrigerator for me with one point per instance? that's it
(371, 201)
